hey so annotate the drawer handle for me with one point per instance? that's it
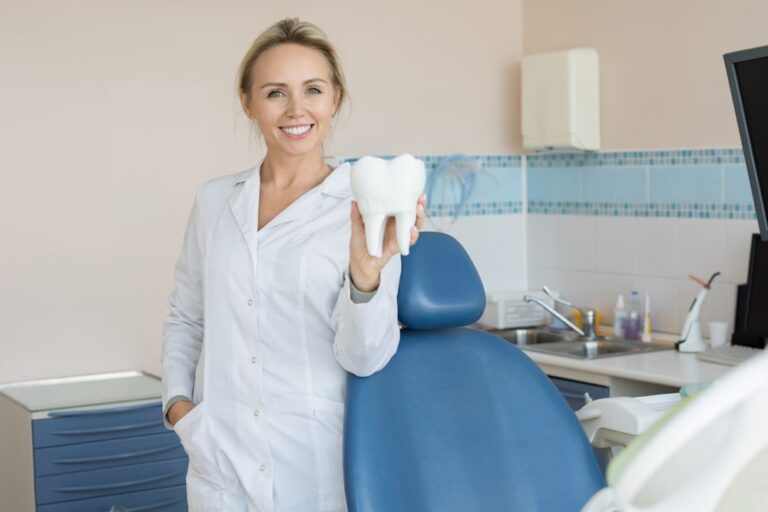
(122, 428)
(156, 506)
(579, 396)
(98, 412)
(123, 485)
(122, 456)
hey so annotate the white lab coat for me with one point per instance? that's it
(260, 332)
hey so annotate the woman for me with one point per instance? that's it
(277, 298)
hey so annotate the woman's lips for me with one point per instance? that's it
(297, 132)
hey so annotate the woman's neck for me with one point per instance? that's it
(285, 172)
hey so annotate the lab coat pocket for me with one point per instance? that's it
(204, 481)
(329, 423)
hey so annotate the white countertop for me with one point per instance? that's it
(665, 367)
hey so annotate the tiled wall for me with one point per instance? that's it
(603, 224)
(599, 224)
(491, 224)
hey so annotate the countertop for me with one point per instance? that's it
(665, 367)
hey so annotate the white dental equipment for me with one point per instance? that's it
(383, 189)
(690, 338)
(616, 421)
(710, 453)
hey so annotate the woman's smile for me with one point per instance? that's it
(297, 131)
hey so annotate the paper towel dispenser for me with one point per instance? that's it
(561, 100)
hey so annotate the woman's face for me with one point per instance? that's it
(292, 99)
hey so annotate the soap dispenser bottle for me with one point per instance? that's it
(634, 322)
(619, 317)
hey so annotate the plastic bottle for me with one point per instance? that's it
(619, 317)
(634, 323)
(647, 337)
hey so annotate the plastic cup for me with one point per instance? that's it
(718, 333)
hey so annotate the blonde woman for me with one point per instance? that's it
(276, 298)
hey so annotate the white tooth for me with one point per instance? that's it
(297, 130)
(387, 188)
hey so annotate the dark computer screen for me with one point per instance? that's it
(748, 78)
(756, 321)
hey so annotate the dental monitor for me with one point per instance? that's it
(748, 77)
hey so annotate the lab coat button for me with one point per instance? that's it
(263, 467)
(256, 413)
(253, 360)
(250, 302)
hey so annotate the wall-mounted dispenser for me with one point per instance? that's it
(561, 100)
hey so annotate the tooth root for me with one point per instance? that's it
(405, 221)
(375, 225)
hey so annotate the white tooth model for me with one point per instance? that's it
(385, 188)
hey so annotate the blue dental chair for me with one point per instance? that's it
(459, 420)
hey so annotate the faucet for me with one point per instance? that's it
(588, 315)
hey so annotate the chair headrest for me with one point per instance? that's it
(439, 285)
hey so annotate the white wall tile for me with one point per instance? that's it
(701, 248)
(656, 247)
(502, 240)
(615, 250)
(576, 286)
(503, 279)
(542, 234)
(576, 242)
(538, 277)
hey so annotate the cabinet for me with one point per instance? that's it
(574, 393)
(89, 444)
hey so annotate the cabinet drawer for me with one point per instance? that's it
(170, 499)
(106, 482)
(105, 454)
(71, 427)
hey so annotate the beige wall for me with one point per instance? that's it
(112, 113)
(663, 83)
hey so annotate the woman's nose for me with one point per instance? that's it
(295, 108)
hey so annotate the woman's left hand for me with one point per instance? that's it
(364, 269)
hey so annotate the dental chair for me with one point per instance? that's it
(459, 419)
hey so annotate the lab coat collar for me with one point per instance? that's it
(335, 185)
(244, 202)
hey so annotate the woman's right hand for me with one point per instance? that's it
(179, 410)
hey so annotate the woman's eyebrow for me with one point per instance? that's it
(281, 84)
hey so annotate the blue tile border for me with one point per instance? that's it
(482, 208)
(621, 158)
(734, 211)
(686, 183)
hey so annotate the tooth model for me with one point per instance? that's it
(387, 188)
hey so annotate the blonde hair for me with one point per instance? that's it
(293, 30)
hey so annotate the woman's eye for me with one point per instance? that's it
(314, 90)
(275, 93)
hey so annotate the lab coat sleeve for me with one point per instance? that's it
(183, 327)
(368, 333)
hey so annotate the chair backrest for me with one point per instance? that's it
(459, 420)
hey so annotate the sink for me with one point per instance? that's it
(569, 344)
(528, 337)
(601, 347)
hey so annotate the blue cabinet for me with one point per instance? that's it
(574, 393)
(89, 443)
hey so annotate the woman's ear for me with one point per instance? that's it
(244, 104)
